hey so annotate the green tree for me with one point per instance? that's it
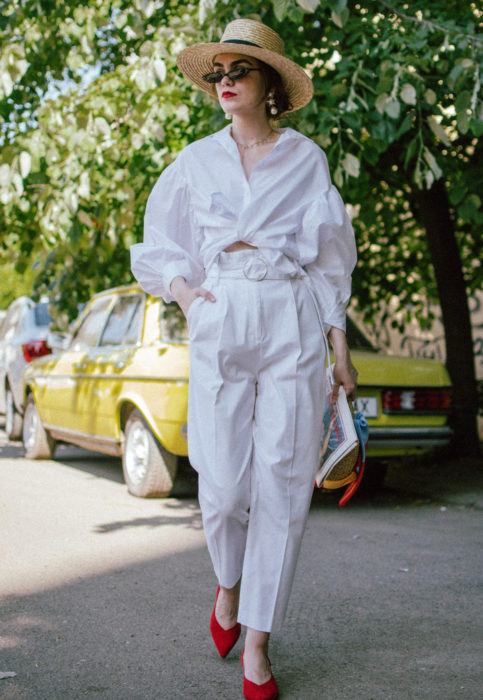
(89, 122)
(397, 108)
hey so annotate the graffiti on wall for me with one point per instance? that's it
(415, 342)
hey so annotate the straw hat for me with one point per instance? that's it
(250, 38)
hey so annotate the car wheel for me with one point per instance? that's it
(149, 470)
(13, 419)
(37, 442)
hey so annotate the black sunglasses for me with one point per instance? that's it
(234, 74)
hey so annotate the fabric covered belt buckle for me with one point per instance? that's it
(255, 269)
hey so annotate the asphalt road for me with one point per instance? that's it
(107, 596)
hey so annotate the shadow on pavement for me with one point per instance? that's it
(104, 466)
(372, 616)
(11, 450)
(408, 481)
(385, 601)
(415, 482)
(192, 520)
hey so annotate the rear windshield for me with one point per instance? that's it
(41, 314)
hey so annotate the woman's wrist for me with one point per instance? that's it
(178, 287)
(338, 341)
(181, 292)
(345, 374)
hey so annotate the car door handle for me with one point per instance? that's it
(80, 365)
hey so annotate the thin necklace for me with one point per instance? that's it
(246, 146)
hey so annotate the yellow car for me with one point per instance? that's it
(121, 388)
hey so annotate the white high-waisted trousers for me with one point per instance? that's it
(256, 397)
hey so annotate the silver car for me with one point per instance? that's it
(23, 337)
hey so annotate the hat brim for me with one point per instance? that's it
(197, 60)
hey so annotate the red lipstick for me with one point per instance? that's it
(227, 93)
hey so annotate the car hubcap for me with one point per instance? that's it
(137, 452)
(29, 427)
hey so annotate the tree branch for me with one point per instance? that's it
(428, 23)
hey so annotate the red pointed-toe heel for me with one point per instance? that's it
(224, 640)
(265, 691)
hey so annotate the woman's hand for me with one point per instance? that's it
(344, 374)
(185, 295)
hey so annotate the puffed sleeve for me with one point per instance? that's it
(329, 243)
(171, 244)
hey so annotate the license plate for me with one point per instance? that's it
(367, 405)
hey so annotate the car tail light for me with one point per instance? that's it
(35, 348)
(422, 400)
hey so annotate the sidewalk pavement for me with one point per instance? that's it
(456, 481)
(108, 597)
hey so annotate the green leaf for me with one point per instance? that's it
(463, 121)
(457, 193)
(408, 94)
(371, 155)
(455, 73)
(21, 266)
(432, 162)
(381, 102)
(25, 163)
(295, 14)
(85, 219)
(476, 127)
(6, 84)
(280, 8)
(308, 5)
(159, 68)
(438, 130)
(393, 108)
(429, 178)
(462, 106)
(337, 5)
(338, 90)
(385, 84)
(406, 124)
(351, 165)
(468, 210)
(338, 177)
(463, 101)
(340, 18)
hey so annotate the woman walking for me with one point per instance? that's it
(246, 232)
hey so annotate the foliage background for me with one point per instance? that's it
(398, 106)
(92, 108)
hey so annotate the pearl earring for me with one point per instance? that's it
(272, 104)
(228, 116)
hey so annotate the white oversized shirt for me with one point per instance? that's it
(203, 202)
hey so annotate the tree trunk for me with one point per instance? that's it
(431, 207)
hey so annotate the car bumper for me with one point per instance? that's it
(410, 438)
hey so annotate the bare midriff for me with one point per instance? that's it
(240, 245)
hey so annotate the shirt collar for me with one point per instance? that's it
(224, 137)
